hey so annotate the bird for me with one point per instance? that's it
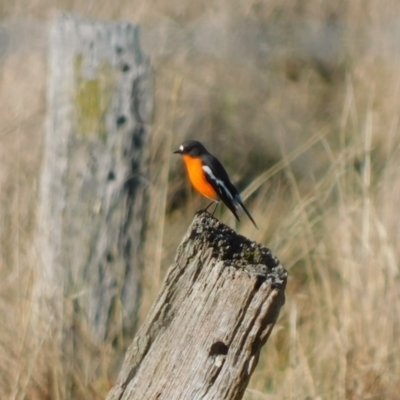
(210, 179)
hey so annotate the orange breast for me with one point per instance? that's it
(197, 178)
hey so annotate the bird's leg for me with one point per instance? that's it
(216, 205)
(209, 206)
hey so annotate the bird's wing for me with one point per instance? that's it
(217, 177)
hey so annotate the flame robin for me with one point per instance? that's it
(209, 178)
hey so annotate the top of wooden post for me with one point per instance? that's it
(235, 250)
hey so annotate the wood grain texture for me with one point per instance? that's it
(92, 210)
(215, 311)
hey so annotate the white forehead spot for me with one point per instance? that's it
(181, 148)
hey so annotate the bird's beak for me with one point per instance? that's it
(177, 151)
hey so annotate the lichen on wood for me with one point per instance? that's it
(92, 97)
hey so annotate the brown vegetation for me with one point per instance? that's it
(301, 103)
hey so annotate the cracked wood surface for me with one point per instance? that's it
(216, 309)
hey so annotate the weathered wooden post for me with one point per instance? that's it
(92, 209)
(203, 336)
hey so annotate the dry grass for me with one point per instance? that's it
(313, 140)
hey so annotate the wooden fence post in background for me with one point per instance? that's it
(203, 336)
(92, 209)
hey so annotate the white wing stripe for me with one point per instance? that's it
(219, 183)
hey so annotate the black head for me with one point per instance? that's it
(191, 148)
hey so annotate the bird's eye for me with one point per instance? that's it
(188, 148)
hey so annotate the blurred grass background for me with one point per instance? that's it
(300, 100)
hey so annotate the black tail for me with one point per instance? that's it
(233, 201)
(247, 212)
(232, 207)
